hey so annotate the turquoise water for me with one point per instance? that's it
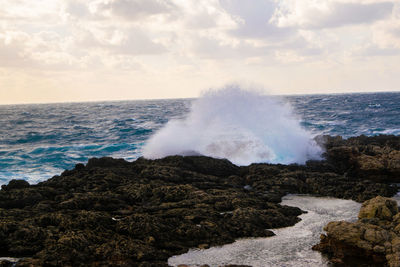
(39, 141)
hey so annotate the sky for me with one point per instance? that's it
(92, 50)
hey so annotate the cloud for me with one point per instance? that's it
(386, 35)
(373, 50)
(12, 49)
(44, 51)
(208, 42)
(129, 40)
(195, 30)
(135, 41)
(311, 14)
(206, 14)
(25, 11)
(133, 9)
(253, 18)
(76, 8)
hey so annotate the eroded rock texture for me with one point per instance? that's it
(373, 239)
(114, 212)
(376, 158)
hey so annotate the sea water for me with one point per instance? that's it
(40, 141)
(291, 246)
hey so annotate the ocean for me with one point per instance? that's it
(39, 141)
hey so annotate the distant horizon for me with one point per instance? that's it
(189, 98)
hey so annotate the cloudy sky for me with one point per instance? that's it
(83, 50)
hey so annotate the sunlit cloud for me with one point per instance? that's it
(329, 14)
(126, 49)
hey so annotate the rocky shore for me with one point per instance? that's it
(374, 240)
(119, 213)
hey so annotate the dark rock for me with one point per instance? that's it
(131, 214)
(79, 166)
(104, 163)
(5, 263)
(375, 158)
(119, 213)
(15, 184)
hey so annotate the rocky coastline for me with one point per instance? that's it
(374, 240)
(119, 213)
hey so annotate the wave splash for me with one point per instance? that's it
(242, 126)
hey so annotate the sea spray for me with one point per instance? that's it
(240, 125)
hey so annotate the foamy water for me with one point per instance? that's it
(290, 247)
(40, 141)
(242, 126)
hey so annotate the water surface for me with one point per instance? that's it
(40, 141)
(291, 246)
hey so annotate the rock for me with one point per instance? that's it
(5, 263)
(374, 237)
(15, 184)
(380, 207)
(203, 246)
(115, 212)
(376, 158)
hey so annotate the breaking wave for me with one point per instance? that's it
(240, 125)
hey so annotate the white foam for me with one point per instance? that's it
(240, 125)
(291, 246)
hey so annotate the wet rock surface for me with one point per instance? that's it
(374, 240)
(376, 158)
(114, 212)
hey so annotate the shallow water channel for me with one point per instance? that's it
(291, 246)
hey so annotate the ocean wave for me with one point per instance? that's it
(30, 134)
(240, 125)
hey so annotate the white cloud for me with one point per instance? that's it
(208, 42)
(288, 56)
(25, 9)
(386, 34)
(329, 14)
(205, 14)
(253, 18)
(12, 49)
(132, 9)
(129, 40)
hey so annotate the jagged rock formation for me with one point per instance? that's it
(114, 212)
(376, 158)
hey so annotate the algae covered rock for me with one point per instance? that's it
(374, 238)
(380, 207)
(111, 212)
(117, 213)
(376, 158)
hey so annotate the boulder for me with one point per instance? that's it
(373, 238)
(380, 207)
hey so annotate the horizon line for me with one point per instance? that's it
(183, 98)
